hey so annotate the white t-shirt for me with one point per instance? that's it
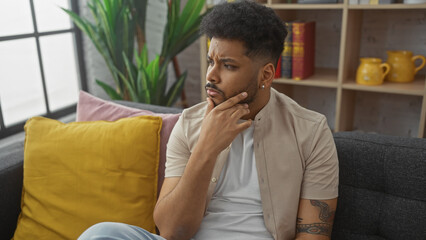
(235, 209)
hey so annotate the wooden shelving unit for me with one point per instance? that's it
(341, 78)
(415, 88)
(396, 6)
(296, 6)
(323, 77)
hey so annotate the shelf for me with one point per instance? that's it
(416, 88)
(396, 6)
(323, 77)
(284, 6)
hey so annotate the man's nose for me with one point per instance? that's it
(212, 74)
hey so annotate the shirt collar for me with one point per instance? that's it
(268, 108)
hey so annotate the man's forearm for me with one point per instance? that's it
(178, 215)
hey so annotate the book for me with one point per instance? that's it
(316, 1)
(303, 54)
(278, 70)
(374, 2)
(287, 51)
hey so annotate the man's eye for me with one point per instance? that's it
(210, 62)
(229, 67)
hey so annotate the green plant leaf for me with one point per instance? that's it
(145, 86)
(153, 71)
(188, 16)
(109, 90)
(186, 40)
(130, 81)
(105, 25)
(139, 89)
(194, 13)
(107, 8)
(175, 90)
(144, 57)
(187, 23)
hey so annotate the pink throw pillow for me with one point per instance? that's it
(91, 108)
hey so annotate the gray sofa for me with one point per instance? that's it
(382, 191)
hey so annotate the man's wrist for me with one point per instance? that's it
(206, 150)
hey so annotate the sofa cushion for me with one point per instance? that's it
(382, 191)
(82, 173)
(91, 108)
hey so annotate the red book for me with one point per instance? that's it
(278, 70)
(303, 56)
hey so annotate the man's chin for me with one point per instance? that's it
(216, 102)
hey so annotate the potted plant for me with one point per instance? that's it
(117, 25)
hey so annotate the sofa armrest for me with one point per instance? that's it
(11, 175)
(382, 187)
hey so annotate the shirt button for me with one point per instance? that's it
(214, 179)
(262, 180)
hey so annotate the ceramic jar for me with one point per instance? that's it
(403, 66)
(371, 71)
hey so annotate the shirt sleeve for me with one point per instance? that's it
(321, 177)
(178, 151)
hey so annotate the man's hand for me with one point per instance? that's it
(220, 125)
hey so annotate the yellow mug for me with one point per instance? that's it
(371, 71)
(403, 67)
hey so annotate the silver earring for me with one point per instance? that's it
(263, 86)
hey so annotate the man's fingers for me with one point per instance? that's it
(210, 106)
(243, 126)
(232, 101)
(241, 110)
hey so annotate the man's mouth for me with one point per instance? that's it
(212, 92)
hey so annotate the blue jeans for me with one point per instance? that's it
(117, 231)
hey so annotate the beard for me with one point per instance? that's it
(251, 88)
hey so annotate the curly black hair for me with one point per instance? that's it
(257, 26)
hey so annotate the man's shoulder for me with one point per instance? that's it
(195, 112)
(290, 107)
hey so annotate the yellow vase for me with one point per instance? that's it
(403, 67)
(371, 71)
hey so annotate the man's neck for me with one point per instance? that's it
(258, 104)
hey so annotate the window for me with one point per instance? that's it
(41, 67)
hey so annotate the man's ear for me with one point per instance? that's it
(267, 75)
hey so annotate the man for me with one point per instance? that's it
(249, 163)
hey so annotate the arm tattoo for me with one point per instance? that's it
(325, 214)
(314, 228)
(324, 227)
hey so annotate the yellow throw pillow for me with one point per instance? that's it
(82, 173)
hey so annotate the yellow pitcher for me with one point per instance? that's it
(403, 67)
(371, 71)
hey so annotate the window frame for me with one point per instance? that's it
(81, 69)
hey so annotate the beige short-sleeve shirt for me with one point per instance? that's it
(295, 158)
